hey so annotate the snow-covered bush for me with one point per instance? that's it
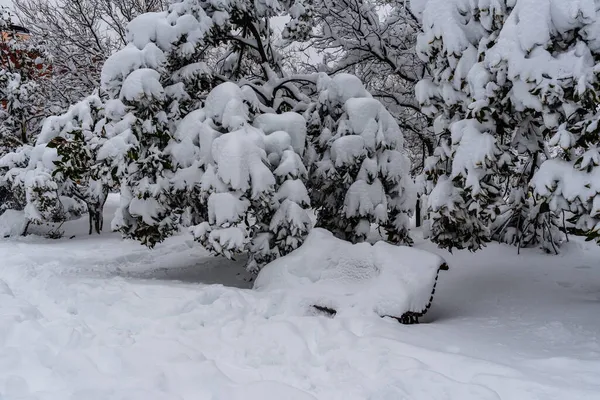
(512, 88)
(145, 180)
(253, 180)
(78, 136)
(23, 65)
(22, 68)
(373, 40)
(162, 77)
(191, 155)
(64, 174)
(361, 279)
(360, 174)
(30, 176)
(240, 187)
(12, 191)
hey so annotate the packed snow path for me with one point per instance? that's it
(99, 318)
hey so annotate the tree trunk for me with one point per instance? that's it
(418, 212)
(96, 214)
(98, 221)
(26, 228)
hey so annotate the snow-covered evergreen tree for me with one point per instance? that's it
(510, 81)
(22, 67)
(72, 165)
(145, 183)
(78, 136)
(374, 40)
(253, 181)
(165, 78)
(30, 177)
(59, 176)
(360, 173)
(158, 80)
(12, 191)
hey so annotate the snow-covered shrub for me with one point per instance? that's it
(465, 191)
(240, 187)
(513, 87)
(22, 68)
(359, 170)
(162, 77)
(78, 135)
(361, 279)
(145, 182)
(13, 133)
(19, 98)
(65, 174)
(30, 176)
(373, 40)
(253, 180)
(176, 164)
(12, 192)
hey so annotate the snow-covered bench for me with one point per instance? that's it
(340, 278)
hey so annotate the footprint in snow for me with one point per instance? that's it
(583, 267)
(566, 285)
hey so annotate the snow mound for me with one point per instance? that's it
(292, 123)
(356, 279)
(341, 88)
(225, 105)
(12, 223)
(140, 83)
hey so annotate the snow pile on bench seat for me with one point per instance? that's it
(355, 279)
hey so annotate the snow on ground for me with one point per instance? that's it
(100, 318)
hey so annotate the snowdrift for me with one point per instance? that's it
(12, 223)
(341, 278)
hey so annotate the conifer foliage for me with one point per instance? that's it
(194, 153)
(253, 182)
(23, 65)
(360, 172)
(513, 93)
